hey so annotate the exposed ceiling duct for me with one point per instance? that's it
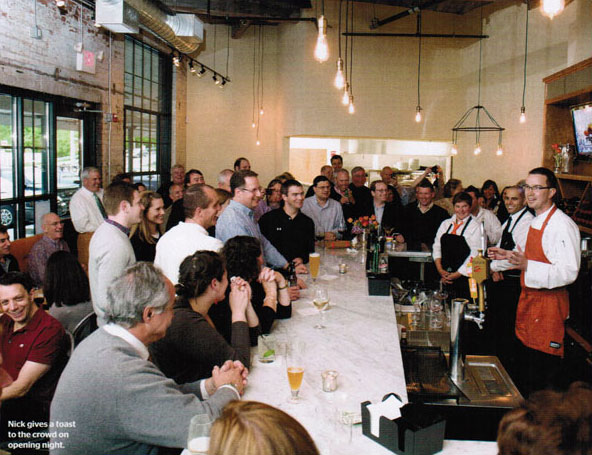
(182, 31)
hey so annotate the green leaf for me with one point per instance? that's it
(269, 353)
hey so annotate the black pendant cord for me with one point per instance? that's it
(339, 27)
(351, 52)
(478, 123)
(419, 59)
(525, 56)
(346, 42)
(254, 68)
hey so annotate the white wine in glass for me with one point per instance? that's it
(320, 301)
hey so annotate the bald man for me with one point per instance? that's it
(52, 241)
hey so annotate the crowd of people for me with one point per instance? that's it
(182, 281)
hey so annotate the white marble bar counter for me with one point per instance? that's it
(360, 341)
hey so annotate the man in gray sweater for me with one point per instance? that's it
(112, 400)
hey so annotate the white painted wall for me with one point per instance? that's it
(300, 98)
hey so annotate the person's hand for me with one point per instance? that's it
(297, 261)
(301, 269)
(238, 299)
(301, 283)
(330, 236)
(497, 276)
(518, 259)
(496, 253)
(266, 274)
(237, 364)
(229, 374)
(294, 292)
(343, 200)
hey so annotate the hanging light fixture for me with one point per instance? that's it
(499, 151)
(523, 107)
(345, 96)
(552, 8)
(454, 150)
(201, 72)
(321, 52)
(477, 128)
(351, 109)
(418, 108)
(339, 81)
(176, 60)
(192, 69)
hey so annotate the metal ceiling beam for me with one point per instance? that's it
(416, 35)
(378, 23)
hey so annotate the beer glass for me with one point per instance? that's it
(314, 262)
(295, 369)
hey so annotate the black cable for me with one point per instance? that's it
(525, 55)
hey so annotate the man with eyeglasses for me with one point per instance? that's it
(549, 262)
(326, 213)
(238, 217)
(388, 214)
(52, 241)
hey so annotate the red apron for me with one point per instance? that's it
(541, 313)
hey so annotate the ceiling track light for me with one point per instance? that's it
(222, 83)
(201, 72)
(177, 60)
(192, 69)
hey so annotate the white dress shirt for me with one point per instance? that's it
(85, 214)
(493, 227)
(561, 245)
(179, 242)
(519, 230)
(472, 236)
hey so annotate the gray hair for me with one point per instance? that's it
(142, 285)
(358, 169)
(342, 171)
(224, 175)
(87, 170)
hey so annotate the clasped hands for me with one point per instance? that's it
(231, 372)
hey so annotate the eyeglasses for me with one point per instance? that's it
(380, 191)
(535, 188)
(253, 190)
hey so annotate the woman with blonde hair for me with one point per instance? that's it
(253, 428)
(145, 234)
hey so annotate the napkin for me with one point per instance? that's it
(389, 408)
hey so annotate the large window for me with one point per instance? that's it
(148, 87)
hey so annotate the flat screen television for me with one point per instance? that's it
(582, 123)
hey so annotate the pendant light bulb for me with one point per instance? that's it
(552, 8)
(418, 114)
(345, 96)
(258, 142)
(351, 109)
(339, 81)
(321, 53)
(454, 150)
(253, 125)
(477, 150)
(500, 150)
(522, 114)
(261, 111)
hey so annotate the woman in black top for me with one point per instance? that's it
(146, 233)
(269, 297)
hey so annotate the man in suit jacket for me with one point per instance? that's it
(388, 214)
(8, 262)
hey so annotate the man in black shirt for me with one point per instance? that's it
(287, 228)
(361, 193)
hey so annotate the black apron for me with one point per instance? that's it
(507, 242)
(455, 251)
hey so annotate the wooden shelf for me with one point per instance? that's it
(581, 178)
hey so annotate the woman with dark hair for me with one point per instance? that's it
(273, 198)
(192, 346)
(451, 188)
(66, 289)
(493, 200)
(145, 234)
(269, 297)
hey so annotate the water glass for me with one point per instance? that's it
(198, 440)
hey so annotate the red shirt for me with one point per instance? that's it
(42, 340)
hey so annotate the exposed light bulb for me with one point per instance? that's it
(339, 81)
(477, 149)
(261, 111)
(60, 3)
(258, 142)
(351, 109)
(500, 150)
(345, 96)
(454, 150)
(253, 125)
(418, 114)
(522, 114)
(552, 8)
(321, 53)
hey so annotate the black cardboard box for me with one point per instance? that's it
(379, 283)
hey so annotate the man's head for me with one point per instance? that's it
(321, 187)
(327, 171)
(16, 298)
(386, 174)
(292, 194)
(4, 241)
(342, 179)
(462, 205)
(224, 179)
(424, 192)
(201, 205)
(194, 177)
(514, 199)
(245, 188)
(379, 192)
(358, 174)
(123, 200)
(142, 298)
(178, 174)
(91, 179)
(52, 226)
(336, 163)
(540, 189)
(242, 164)
(474, 193)
(176, 191)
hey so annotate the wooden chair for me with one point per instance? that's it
(20, 248)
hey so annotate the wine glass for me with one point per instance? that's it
(320, 301)
(295, 369)
(198, 439)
